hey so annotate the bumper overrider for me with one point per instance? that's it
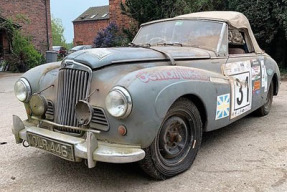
(74, 148)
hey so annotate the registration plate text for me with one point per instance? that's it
(58, 148)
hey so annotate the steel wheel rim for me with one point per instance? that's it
(175, 139)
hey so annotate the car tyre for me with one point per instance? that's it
(177, 142)
(265, 109)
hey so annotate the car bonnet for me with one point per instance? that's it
(101, 57)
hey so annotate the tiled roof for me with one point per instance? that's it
(94, 13)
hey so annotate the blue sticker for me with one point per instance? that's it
(270, 72)
(223, 106)
(178, 23)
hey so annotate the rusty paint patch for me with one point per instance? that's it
(50, 68)
(171, 74)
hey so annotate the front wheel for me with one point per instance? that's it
(176, 145)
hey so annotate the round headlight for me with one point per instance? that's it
(22, 90)
(84, 112)
(119, 102)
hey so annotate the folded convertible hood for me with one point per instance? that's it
(100, 57)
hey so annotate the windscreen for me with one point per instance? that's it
(194, 33)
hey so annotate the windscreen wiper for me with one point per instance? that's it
(141, 45)
(148, 46)
(170, 44)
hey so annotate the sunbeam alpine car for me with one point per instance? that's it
(152, 101)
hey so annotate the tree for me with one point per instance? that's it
(148, 10)
(268, 18)
(24, 52)
(143, 11)
(58, 32)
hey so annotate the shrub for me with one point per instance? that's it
(110, 37)
(26, 56)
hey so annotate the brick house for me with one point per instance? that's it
(94, 19)
(4, 42)
(89, 23)
(34, 18)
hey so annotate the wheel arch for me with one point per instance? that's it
(200, 93)
(275, 81)
(198, 102)
(200, 106)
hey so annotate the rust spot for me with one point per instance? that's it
(51, 67)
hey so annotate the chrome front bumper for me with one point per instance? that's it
(88, 148)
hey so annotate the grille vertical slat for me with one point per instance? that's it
(72, 87)
(85, 85)
(76, 87)
(73, 119)
(65, 90)
(65, 101)
(70, 98)
(82, 88)
(59, 104)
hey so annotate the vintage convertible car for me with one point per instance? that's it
(152, 101)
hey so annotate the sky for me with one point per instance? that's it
(69, 10)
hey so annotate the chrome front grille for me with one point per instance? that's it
(73, 86)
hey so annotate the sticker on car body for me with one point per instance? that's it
(256, 72)
(171, 74)
(223, 106)
(241, 86)
(264, 76)
(256, 87)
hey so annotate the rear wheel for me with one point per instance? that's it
(265, 109)
(175, 147)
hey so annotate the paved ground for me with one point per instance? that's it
(249, 155)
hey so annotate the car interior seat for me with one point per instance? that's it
(236, 42)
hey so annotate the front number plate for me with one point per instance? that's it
(58, 148)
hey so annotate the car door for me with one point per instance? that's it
(246, 71)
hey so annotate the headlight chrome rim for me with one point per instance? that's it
(81, 118)
(127, 99)
(28, 90)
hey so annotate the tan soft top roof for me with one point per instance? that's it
(235, 19)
